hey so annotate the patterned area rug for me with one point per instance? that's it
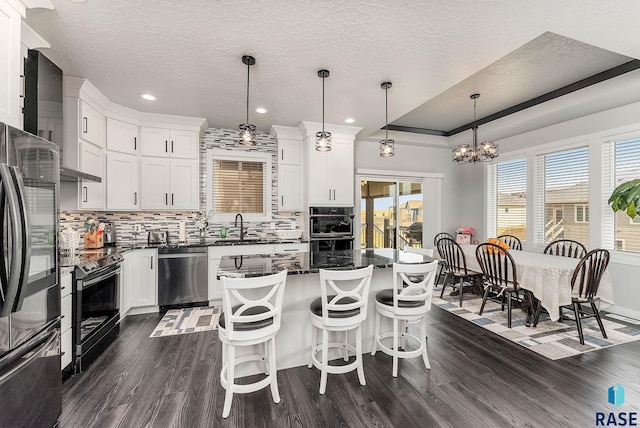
(188, 320)
(552, 339)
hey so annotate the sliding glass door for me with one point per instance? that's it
(391, 213)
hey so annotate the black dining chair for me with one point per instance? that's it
(586, 277)
(441, 263)
(500, 276)
(456, 267)
(566, 248)
(513, 242)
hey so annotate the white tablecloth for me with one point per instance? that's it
(548, 277)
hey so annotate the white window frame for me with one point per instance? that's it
(491, 201)
(585, 209)
(213, 154)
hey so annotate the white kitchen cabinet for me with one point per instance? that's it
(170, 143)
(289, 152)
(331, 176)
(169, 184)
(66, 309)
(143, 272)
(92, 124)
(301, 247)
(11, 66)
(122, 136)
(122, 181)
(289, 187)
(92, 161)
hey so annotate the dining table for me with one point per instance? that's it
(547, 276)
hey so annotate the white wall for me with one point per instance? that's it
(462, 191)
(592, 130)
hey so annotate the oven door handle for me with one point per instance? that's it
(93, 281)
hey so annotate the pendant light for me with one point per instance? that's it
(485, 153)
(387, 146)
(247, 130)
(323, 139)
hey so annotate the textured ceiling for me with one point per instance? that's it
(188, 53)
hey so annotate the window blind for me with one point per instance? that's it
(562, 185)
(511, 198)
(239, 186)
(626, 166)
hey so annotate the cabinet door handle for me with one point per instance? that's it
(166, 146)
(135, 143)
(171, 146)
(334, 194)
(135, 198)
(85, 125)
(172, 199)
(86, 194)
(166, 199)
(282, 199)
(329, 194)
(282, 154)
(151, 262)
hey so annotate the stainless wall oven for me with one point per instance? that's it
(96, 309)
(331, 228)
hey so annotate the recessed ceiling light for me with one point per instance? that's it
(261, 110)
(349, 120)
(148, 97)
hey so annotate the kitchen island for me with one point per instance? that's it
(293, 341)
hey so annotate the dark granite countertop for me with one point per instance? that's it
(81, 255)
(303, 263)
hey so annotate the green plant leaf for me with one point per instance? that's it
(626, 197)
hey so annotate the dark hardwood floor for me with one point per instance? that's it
(477, 379)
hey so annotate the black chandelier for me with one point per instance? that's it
(387, 146)
(486, 152)
(323, 138)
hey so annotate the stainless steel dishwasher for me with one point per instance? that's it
(182, 276)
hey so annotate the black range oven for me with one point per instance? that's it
(331, 228)
(96, 313)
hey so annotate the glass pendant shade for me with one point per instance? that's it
(323, 138)
(387, 146)
(323, 141)
(247, 130)
(486, 152)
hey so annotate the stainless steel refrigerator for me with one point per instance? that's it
(30, 380)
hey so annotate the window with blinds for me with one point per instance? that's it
(511, 198)
(238, 185)
(562, 196)
(626, 167)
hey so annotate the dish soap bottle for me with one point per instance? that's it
(223, 232)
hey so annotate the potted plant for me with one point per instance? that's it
(626, 197)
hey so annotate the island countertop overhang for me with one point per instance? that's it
(309, 263)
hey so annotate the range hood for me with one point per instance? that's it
(43, 111)
(71, 175)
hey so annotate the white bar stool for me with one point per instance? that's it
(341, 307)
(409, 304)
(252, 310)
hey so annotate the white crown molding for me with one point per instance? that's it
(80, 87)
(42, 4)
(183, 123)
(31, 39)
(285, 132)
(309, 129)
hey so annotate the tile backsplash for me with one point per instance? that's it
(126, 221)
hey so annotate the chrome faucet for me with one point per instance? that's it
(242, 230)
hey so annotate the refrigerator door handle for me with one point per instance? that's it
(42, 344)
(13, 280)
(26, 239)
